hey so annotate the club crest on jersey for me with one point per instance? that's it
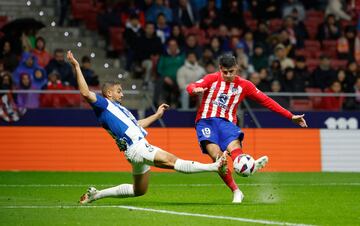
(222, 100)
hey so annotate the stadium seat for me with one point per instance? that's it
(312, 45)
(338, 64)
(3, 20)
(316, 100)
(90, 19)
(252, 24)
(117, 39)
(312, 64)
(200, 34)
(315, 14)
(80, 8)
(211, 32)
(301, 104)
(275, 25)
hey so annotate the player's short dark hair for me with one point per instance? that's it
(227, 60)
(107, 85)
(85, 59)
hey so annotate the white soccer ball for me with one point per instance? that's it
(244, 165)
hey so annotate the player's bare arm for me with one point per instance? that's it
(152, 118)
(300, 120)
(83, 87)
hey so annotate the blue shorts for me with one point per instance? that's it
(218, 131)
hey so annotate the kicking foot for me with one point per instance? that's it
(260, 163)
(89, 196)
(221, 162)
(238, 196)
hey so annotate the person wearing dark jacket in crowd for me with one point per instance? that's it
(59, 64)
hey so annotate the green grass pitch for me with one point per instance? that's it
(50, 198)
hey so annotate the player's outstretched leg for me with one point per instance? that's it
(167, 160)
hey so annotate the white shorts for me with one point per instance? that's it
(141, 156)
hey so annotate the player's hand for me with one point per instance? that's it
(199, 90)
(299, 119)
(161, 109)
(72, 59)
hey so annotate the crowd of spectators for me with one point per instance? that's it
(282, 46)
(36, 69)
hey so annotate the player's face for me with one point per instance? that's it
(228, 73)
(117, 93)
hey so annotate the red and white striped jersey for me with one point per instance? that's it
(221, 99)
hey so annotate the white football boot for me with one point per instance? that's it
(260, 163)
(89, 196)
(238, 196)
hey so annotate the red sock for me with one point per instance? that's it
(229, 180)
(235, 153)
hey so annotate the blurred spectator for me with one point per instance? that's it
(329, 30)
(133, 7)
(261, 33)
(8, 57)
(158, 7)
(191, 45)
(163, 30)
(89, 74)
(147, 52)
(53, 99)
(280, 54)
(259, 59)
(302, 75)
(296, 31)
(9, 112)
(224, 38)
(39, 79)
(353, 103)
(27, 100)
(6, 82)
(288, 82)
(64, 5)
(210, 68)
(232, 14)
(28, 65)
(215, 47)
(210, 16)
(323, 75)
(133, 32)
(342, 78)
(288, 42)
(333, 103)
(185, 14)
(245, 68)
(275, 70)
(168, 65)
(271, 9)
(207, 57)
(177, 35)
(352, 73)
(43, 56)
(249, 43)
(346, 44)
(289, 6)
(58, 63)
(275, 87)
(337, 8)
(191, 71)
(264, 84)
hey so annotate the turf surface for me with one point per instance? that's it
(50, 198)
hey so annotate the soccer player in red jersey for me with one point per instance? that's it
(216, 118)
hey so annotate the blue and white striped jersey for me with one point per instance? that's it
(118, 121)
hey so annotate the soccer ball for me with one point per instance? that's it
(244, 165)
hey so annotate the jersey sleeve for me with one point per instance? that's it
(204, 83)
(100, 104)
(253, 93)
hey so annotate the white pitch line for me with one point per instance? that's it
(248, 220)
(176, 185)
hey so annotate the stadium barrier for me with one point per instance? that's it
(92, 149)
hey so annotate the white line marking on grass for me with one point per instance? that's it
(176, 185)
(162, 211)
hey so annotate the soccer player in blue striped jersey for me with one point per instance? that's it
(129, 135)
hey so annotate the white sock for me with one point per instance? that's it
(120, 191)
(185, 166)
